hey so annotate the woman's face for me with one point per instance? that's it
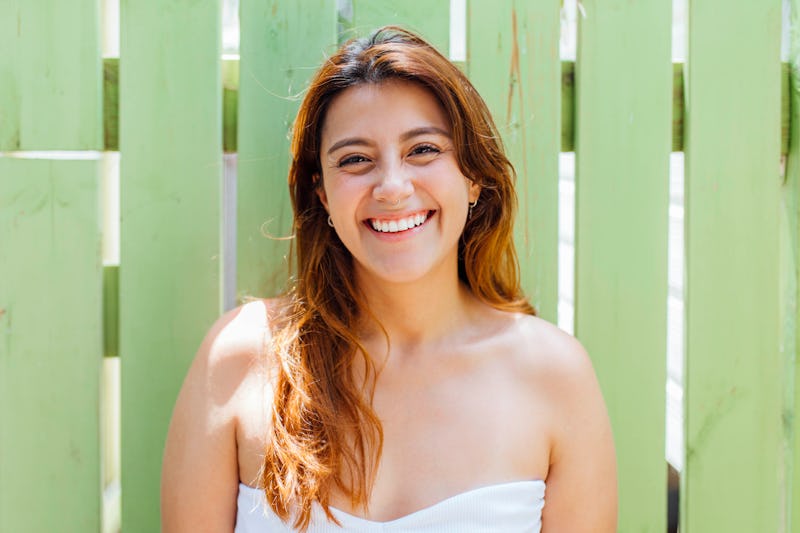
(391, 182)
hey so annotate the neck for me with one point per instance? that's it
(418, 313)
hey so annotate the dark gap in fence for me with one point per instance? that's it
(673, 498)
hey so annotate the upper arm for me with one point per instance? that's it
(199, 481)
(582, 479)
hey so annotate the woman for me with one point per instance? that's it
(404, 382)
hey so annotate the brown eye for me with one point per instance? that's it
(352, 160)
(424, 149)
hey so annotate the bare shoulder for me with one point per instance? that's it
(239, 335)
(557, 365)
(236, 368)
(231, 352)
(231, 355)
(550, 355)
(581, 481)
(200, 474)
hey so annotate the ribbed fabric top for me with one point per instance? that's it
(507, 507)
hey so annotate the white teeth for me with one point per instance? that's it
(403, 224)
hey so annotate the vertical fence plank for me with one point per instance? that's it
(623, 119)
(732, 389)
(513, 61)
(50, 68)
(790, 263)
(171, 167)
(282, 45)
(50, 345)
(429, 18)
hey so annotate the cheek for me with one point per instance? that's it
(445, 183)
(341, 197)
(331, 191)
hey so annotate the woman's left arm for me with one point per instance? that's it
(581, 491)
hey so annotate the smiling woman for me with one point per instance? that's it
(396, 196)
(404, 382)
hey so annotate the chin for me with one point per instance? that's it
(395, 277)
(396, 273)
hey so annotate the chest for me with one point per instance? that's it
(477, 416)
(447, 430)
(449, 433)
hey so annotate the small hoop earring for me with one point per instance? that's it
(471, 207)
(330, 221)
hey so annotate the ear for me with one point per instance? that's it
(320, 190)
(474, 191)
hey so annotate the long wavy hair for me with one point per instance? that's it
(325, 435)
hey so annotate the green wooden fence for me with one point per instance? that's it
(170, 106)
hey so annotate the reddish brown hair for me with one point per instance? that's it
(325, 434)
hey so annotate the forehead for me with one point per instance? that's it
(383, 109)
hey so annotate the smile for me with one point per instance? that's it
(397, 225)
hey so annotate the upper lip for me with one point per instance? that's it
(388, 217)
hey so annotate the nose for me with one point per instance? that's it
(393, 186)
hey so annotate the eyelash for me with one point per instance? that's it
(425, 149)
(421, 149)
(351, 160)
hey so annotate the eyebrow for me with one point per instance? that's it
(350, 141)
(358, 141)
(425, 130)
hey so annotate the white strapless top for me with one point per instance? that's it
(505, 507)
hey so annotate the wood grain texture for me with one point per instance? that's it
(790, 283)
(171, 168)
(513, 61)
(50, 75)
(622, 147)
(50, 345)
(732, 386)
(429, 18)
(274, 71)
(567, 118)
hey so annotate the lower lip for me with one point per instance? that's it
(399, 235)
